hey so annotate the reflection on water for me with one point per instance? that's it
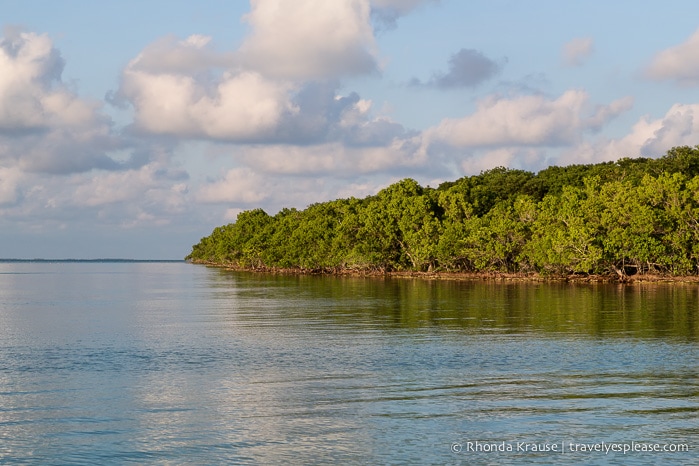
(163, 363)
(603, 310)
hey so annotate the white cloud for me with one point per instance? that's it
(334, 158)
(154, 192)
(577, 51)
(238, 185)
(280, 86)
(28, 63)
(526, 120)
(531, 120)
(518, 132)
(310, 39)
(647, 138)
(170, 55)
(149, 195)
(679, 63)
(246, 107)
(232, 214)
(63, 151)
(360, 190)
(240, 106)
(31, 94)
(488, 160)
(130, 186)
(245, 188)
(679, 127)
(604, 113)
(44, 126)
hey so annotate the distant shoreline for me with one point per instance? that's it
(460, 276)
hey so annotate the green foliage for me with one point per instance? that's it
(566, 236)
(489, 188)
(632, 216)
(400, 228)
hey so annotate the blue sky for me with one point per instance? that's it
(131, 129)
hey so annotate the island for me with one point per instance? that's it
(632, 219)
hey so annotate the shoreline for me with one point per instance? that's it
(461, 276)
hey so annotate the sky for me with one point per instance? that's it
(130, 129)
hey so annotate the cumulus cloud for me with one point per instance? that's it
(679, 63)
(309, 39)
(153, 194)
(577, 51)
(43, 125)
(246, 107)
(171, 55)
(360, 190)
(29, 64)
(30, 93)
(518, 132)
(648, 138)
(335, 158)
(133, 198)
(323, 115)
(238, 185)
(280, 86)
(604, 113)
(467, 68)
(239, 106)
(530, 120)
(244, 188)
(110, 188)
(63, 151)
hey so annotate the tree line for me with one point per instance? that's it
(632, 216)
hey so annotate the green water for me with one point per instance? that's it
(173, 363)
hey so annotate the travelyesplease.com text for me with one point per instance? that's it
(567, 447)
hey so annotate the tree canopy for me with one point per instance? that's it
(632, 216)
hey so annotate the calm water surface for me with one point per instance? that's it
(173, 363)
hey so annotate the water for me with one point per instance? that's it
(173, 363)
